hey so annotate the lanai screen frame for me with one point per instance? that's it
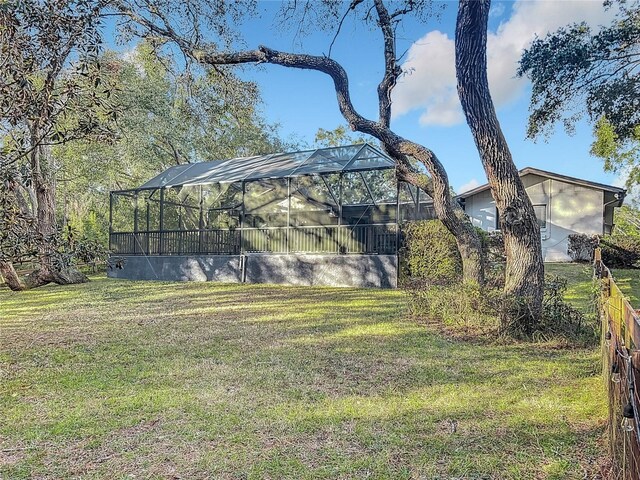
(286, 166)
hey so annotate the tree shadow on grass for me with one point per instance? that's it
(288, 383)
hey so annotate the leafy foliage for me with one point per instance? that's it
(581, 246)
(20, 239)
(620, 155)
(18, 236)
(51, 92)
(576, 66)
(465, 306)
(620, 251)
(494, 257)
(51, 89)
(337, 137)
(627, 221)
(560, 318)
(479, 311)
(430, 253)
(576, 70)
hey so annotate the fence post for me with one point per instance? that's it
(200, 221)
(110, 220)
(161, 225)
(288, 214)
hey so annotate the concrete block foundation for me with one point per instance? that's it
(378, 271)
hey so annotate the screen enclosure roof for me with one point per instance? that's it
(350, 158)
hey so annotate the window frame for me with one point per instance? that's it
(546, 215)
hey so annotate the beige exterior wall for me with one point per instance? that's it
(570, 208)
(482, 210)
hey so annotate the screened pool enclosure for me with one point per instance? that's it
(331, 201)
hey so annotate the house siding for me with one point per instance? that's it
(571, 208)
(482, 210)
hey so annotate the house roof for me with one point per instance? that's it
(554, 176)
(351, 158)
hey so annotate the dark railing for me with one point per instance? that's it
(369, 239)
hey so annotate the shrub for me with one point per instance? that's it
(581, 246)
(492, 245)
(462, 305)
(620, 251)
(483, 311)
(559, 318)
(430, 253)
(494, 257)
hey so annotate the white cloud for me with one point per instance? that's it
(497, 9)
(431, 84)
(470, 185)
(428, 83)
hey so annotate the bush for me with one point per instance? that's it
(581, 246)
(620, 251)
(462, 305)
(483, 311)
(494, 257)
(492, 246)
(430, 253)
(560, 319)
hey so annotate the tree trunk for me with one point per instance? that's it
(524, 280)
(11, 278)
(44, 185)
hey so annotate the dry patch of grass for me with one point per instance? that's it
(201, 380)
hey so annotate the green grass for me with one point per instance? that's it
(114, 379)
(580, 285)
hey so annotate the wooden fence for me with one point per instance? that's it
(621, 361)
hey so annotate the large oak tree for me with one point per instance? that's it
(48, 71)
(524, 276)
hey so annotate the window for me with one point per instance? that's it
(541, 215)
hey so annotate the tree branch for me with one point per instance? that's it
(391, 69)
(353, 5)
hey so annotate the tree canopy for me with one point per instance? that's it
(167, 117)
(579, 71)
(76, 122)
(50, 80)
(50, 93)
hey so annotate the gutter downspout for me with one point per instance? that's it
(604, 208)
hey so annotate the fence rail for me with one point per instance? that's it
(620, 358)
(363, 239)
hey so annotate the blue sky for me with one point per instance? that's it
(426, 108)
(425, 104)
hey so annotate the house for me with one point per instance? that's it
(563, 205)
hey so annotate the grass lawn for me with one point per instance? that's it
(119, 379)
(579, 283)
